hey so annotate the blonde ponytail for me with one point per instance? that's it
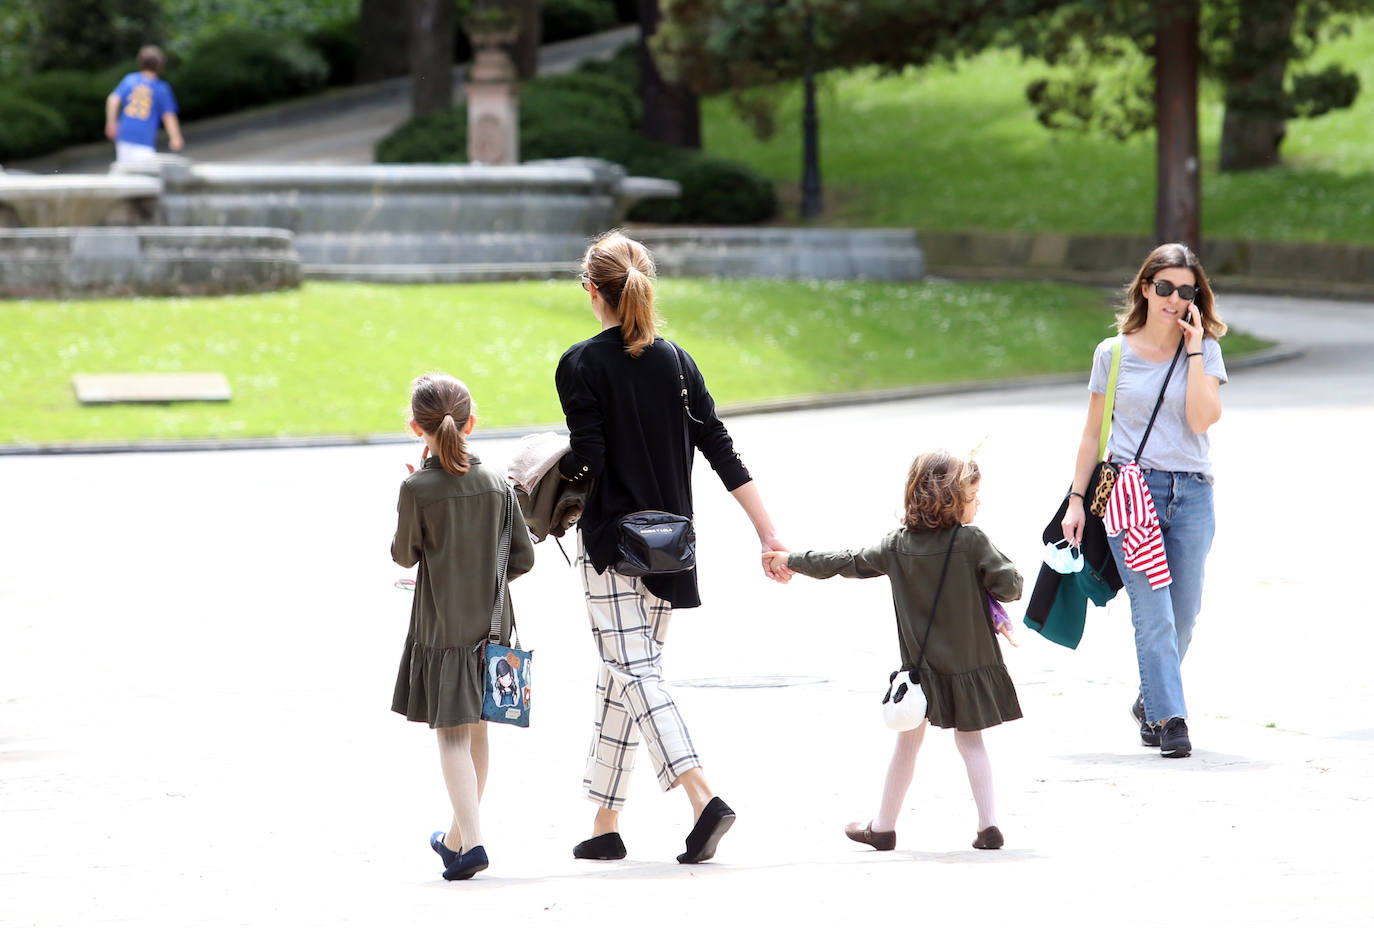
(623, 271)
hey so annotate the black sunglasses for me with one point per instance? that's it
(1164, 288)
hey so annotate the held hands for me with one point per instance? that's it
(775, 563)
(1191, 324)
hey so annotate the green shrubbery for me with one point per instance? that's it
(595, 112)
(29, 128)
(78, 97)
(568, 19)
(237, 68)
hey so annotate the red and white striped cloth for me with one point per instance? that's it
(1131, 509)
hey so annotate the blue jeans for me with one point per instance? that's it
(1164, 618)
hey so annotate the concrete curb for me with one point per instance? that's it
(1275, 355)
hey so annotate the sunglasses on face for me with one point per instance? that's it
(1186, 292)
(585, 282)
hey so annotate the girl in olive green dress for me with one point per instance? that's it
(966, 685)
(449, 520)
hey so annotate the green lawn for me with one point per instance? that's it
(338, 358)
(960, 148)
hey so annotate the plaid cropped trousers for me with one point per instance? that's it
(629, 625)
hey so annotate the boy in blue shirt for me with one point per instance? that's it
(138, 105)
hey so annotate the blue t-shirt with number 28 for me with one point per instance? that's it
(142, 104)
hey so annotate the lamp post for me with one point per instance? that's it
(811, 159)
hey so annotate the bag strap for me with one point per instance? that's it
(502, 563)
(939, 587)
(1159, 402)
(686, 414)
(1112, 374)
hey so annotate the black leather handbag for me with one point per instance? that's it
(653, 542)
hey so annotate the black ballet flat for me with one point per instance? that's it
(602, 847)
(715, 821)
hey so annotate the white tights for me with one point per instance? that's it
(463, 757)
(903, 766)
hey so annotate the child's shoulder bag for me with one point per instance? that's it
(505, 670)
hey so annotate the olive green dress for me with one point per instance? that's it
(451, 526)
(965, 682)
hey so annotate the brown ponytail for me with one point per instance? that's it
(623, 271)
(441, 405)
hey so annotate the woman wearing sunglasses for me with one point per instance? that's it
(1168, 332)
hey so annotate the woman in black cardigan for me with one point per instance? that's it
(622, 398)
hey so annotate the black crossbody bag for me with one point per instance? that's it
(652, 542)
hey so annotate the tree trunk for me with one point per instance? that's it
(431, 55)
(526, 50)
(383, 41)
(1177, 193)
(671, 111)
(1253, 127)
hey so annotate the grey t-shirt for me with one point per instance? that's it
(1173, 445)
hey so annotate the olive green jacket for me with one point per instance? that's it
(450, 525)
(965, 682)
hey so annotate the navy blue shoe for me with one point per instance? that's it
(1149, 734)
(468, 863)
(436, 841)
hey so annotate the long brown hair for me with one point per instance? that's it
(1135, 309)
(441, 405)
(937, 489)
(623, 271)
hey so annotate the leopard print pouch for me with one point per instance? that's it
(1104, 479)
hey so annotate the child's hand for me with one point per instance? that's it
(775, 565)
(423, 454)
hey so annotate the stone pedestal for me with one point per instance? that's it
(493, 94)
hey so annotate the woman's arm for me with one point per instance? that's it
(1202, 403)
(586, 435)
(1083, 468)
(751, 501)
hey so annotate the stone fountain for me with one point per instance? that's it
(173, 226)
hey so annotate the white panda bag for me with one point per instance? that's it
(904, 703)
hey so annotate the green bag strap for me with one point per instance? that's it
(1111, 398)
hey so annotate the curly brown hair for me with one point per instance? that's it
(937, 489)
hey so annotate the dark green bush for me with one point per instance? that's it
(337, 43)
(603, 90)
(622, 67)
(76, 96)
(595, 113)
(238, 68)
(441, 136)
(568, 19)
(29, 128)
(714, 191)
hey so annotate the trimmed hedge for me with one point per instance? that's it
(77, 96)
(237, 68)
(558, 121)
(29, 128)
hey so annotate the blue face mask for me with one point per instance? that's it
(1063, 558)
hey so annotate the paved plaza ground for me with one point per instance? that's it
(197, 652)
